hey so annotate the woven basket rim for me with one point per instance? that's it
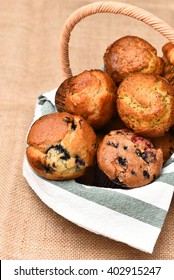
(107, 7)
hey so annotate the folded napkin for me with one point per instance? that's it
(133, 216)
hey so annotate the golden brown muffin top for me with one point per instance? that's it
(87, 94)
(168, 50)
(145, 103)
(131, 54)
(51, 129)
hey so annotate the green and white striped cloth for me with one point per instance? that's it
(134, 216)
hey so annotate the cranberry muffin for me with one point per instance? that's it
(145, 103)
(61, 146)
(86, 95)
(128, 160)
(131, 54)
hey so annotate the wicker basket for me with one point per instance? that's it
(101, 210)
(107, 7)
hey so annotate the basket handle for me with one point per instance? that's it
(107, 7)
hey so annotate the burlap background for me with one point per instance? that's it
(29, 36)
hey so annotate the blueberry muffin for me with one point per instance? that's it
(131, 54)
(87, 95)
(61, 146)
(145, 103)
(166, 144)
(129, 160)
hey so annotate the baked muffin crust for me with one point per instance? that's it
(131, 54)
(91, 94)
(165, 143)
(61, 146)
(168, 51)
(145, 103)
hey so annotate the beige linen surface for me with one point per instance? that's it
(29, 36)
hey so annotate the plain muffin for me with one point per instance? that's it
(166, 144)
(145, 103)
(61, 146)
(168, 51)
(128, 160)
(91, 94)
(131, 54)
(169, 72)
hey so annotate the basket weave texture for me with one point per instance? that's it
(107, 7)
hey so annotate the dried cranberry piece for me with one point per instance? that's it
(139, 138)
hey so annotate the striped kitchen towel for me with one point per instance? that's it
(133, 216)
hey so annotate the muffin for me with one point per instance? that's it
(131, 54)
(145, 103)
(168, 51)
(128, 160)
(169, 72)
(166, 144)
(61, 146)
(87, 95)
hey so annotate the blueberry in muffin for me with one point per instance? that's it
(61, 146)
(165, 143)
(145, 103)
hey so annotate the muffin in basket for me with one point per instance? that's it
(145, 103)
(168, 51)
(127, 160)
(169, 72)
(166, 143)
(131, 54)
(61, 146)
(91, 94)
